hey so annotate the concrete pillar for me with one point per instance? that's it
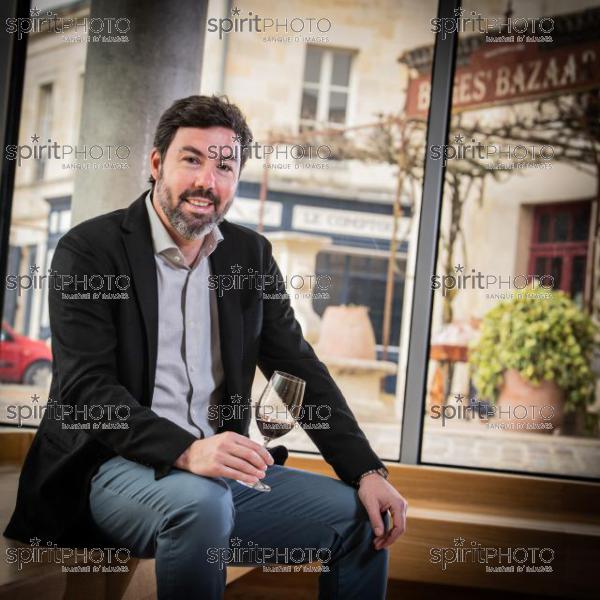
(127, 87)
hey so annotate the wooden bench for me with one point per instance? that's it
(497, 510)
(49, 581)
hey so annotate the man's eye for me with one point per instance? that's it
(191, 159)
(225, 166)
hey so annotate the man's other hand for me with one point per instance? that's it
(378, 496)
(226, 454)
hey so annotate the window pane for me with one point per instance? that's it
(334, 218)
(544, 231)
(341, 68)
(561, 227)
(540, 266)
(40, 214)
(500, 341)
(581, 225)
(309, 104)
(312, 67)
(337, 107)
(556, 270)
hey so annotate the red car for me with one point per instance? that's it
(23, 360)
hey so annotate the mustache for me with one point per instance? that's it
(200, 193)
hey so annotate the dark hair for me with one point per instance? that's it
(202, 112)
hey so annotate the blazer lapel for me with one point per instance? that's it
(140, 253)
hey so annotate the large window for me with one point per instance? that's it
(41, 210)
(352, 221)
(515, 262)
(514, 377)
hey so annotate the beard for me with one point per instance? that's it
(189, 226)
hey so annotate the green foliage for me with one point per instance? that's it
(542, 338)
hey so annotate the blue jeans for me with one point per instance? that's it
(195, 526)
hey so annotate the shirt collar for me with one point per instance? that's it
(164, 244)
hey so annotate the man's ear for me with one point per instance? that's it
(155, 162)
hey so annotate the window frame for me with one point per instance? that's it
(12, 71)
(324, 87)
(567, 250)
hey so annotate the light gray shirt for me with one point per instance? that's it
(189, 371)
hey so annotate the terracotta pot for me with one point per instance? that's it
(529, 408)
(437, 393)
(346, 332)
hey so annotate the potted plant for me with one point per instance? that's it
(533, 359)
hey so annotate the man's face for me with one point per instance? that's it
(197, 179)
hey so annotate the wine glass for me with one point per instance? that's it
(278, 408)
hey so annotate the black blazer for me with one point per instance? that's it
(105, 355)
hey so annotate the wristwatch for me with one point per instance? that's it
(381, 471)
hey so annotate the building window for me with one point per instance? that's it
(44, 126)
(326, 87)
(53, 226)
(560, 245)
(64, 221)
(59, 221)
